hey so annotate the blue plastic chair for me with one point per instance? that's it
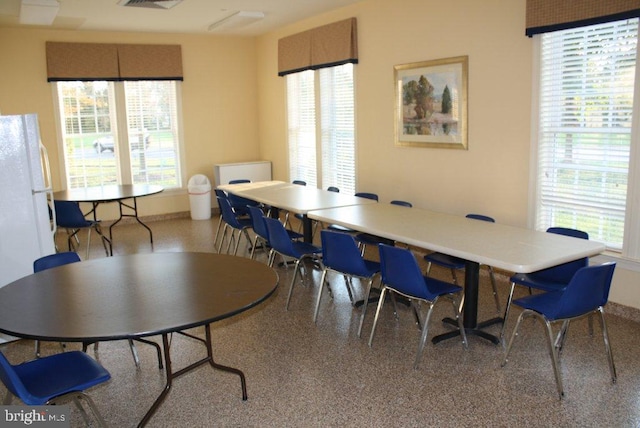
(70, 217)
(53, 380)
(49, 262)
(585, 294)
(554, 278)
(260, 230)
(367, 195)
(456, 263)
(282, 244)
(402, 275)
(238, 203)
(234, 224)
(340, 254)
(365, 239)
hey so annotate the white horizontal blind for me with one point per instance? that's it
(584, 136)
(152, 121)
(87, 116)
(338, 128)
(301, 117)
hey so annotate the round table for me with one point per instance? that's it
(136, 296)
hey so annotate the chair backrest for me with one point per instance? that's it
(340, 252)
(400, 271)
(279, 238)
(228, 216)
(69, 215)
(401, 203)
(12, 381)
(367, 195)
(299, 182)
(257, 222)
(239, 180)
(333, 189)
(54, 260)
(481, 217)
(564, 273)
(587, 290)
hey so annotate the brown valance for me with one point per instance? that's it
(106, 61)
(544, 16)
(326, 46)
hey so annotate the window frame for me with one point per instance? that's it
(629, 255)
(123, 161)
(321, 131)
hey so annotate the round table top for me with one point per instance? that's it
(113, 192)
(132, 296)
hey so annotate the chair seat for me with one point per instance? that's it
(541, 303)
(302, 248)
(446, 260)
(368, 239)
(439, 288)
(533, 281)
(59, 374)
(338, 228)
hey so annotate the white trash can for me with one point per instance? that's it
(200, 197)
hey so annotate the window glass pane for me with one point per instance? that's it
(338, 128)
(584, 135)
(301, 115)
(153, 132)
(85, 113)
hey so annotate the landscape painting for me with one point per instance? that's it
(431, 103)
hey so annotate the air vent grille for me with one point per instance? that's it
(151, 4)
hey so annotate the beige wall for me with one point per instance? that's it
(219, 93)
(492, 177)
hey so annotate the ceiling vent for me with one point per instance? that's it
(151, 4)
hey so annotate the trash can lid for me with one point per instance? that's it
(199, 180)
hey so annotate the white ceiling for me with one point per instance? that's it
(190, 16)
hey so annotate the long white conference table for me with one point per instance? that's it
(506, 247)
(294, 198)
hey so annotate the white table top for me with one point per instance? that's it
(511, 248)
(293, 197)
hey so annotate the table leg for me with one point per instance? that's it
(307, 229)
(170, 374)
(134, 209)
(470, 309)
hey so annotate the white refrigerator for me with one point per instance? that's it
(26, 229)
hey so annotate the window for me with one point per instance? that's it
(585, 134)
(324, 97)
(120, 133)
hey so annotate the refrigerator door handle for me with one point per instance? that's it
(48, 189)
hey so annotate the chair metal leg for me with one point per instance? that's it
(423, 336)
(458, 314)
(88, 241)
(215, 239)
(134, 353)
(506, 313)
(378, 309)
(323, 277)
(553, 352)
(293, 281)
(365, 304)
(607, 345)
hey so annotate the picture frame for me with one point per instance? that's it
(431, 103)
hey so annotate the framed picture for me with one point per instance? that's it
(431, 103)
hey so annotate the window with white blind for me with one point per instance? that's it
(320, 108)
(585, 132)
(120, 133)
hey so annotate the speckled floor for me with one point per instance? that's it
(302, 375)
